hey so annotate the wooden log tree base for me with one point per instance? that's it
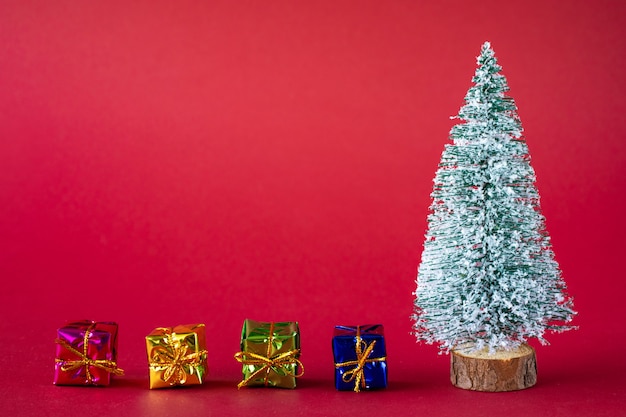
(501, 371)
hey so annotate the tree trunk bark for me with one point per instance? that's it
(500, 371)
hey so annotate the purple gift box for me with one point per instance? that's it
(86, 353)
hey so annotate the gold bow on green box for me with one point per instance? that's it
(270, 354)
(177, 355)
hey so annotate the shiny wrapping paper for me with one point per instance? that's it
(360, 357)
(269, 354)
(86, 353)
(177, 355)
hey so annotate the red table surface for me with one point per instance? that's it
(167, 163)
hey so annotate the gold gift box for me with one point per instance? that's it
(177, 355)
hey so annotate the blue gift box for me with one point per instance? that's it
(360, 357)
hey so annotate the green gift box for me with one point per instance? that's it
(270, 354)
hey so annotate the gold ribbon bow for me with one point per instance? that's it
(175, 359)
(269, 363)
(69, 365)
(363, 351)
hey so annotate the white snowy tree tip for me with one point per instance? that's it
(487, 54)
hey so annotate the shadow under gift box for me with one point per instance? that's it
(177, 355)
(86, 353)
(360, 357)
(269, 354)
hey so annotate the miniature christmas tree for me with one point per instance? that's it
(488, 279)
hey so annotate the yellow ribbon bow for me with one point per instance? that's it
(175, 359)
(363, 351)
(69, 365)
(269, 363)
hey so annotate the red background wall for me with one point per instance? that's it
(207, 161)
